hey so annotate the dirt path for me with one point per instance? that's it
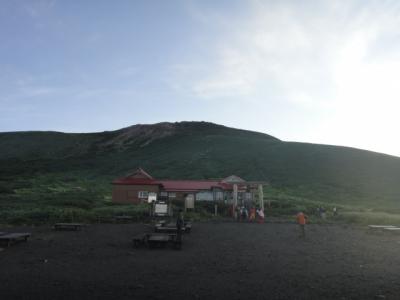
(218, 260)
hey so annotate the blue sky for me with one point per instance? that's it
(311, 71)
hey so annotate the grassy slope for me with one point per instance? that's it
(57, 167)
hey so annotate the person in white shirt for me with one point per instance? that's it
(261, 216)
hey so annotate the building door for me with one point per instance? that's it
(189, 201)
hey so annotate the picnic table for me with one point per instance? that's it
(68, 226)
(9, 239)
(156, 240)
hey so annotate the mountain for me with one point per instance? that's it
(205, 150)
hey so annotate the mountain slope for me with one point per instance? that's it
(206, 150)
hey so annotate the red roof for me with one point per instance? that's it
(140, 177)
(175, 185)
(193, 185)
(135, 181)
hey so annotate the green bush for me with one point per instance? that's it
(368, 218)
(6, 188)
(138, 212)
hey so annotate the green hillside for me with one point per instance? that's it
(44, 168)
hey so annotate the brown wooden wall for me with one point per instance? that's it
(179, 196)
(129, 193)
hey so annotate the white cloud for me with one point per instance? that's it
(36, 9)
(324, 57)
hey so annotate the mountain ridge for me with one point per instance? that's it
(201, 150)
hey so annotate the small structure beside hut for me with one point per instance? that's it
(140, 187)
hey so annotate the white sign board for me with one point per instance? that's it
(189, 201)
(161, 209)
(152, 197)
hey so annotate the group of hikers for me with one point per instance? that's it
(243, 214)
(321, 212)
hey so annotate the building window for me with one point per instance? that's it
(152, 197)
(163, 194)
(219, 196)
(204, 196)
(172, 195)
(143, 194)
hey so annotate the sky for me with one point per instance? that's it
(310, 71)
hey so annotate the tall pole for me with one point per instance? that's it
(261, 196)
(235, 194)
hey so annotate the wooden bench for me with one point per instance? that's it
(140, 239)
(165, 229)
(9, 239)
(379, 227)
(392, 229)
(171, 229)
(123, 219)
(68, 226)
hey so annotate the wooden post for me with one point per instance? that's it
(170, 211)
(261, 196)
(215, 209)
(235, 200)
(235, 194)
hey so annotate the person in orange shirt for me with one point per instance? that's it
(301, 220)
(252, 215)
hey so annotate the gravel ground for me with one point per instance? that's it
(217, 261)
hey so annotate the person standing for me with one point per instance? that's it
(237, 213)
(261, 215)
(301, 220)
(252, 216)
(323, 213)
(242, 214)
(179, 226)
(246, 214)
(335, 213)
